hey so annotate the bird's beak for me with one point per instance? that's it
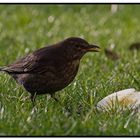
(93, 48)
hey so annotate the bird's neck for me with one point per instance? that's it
(76, 57)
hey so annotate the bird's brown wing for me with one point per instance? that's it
(39, 61)
(26, 64)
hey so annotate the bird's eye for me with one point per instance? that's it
(77, 46)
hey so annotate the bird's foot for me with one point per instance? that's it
(53, 96)
(32, 98)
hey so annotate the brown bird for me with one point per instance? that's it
(51, 68)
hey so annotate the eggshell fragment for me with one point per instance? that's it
(128, 98)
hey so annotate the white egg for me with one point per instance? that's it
(128, 98)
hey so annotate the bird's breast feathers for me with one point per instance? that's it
(71, 69)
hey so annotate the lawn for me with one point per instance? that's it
(24, 28)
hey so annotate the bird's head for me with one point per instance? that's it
(77, 47)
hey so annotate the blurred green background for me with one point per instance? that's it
(26, 27)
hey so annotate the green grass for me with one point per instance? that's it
(24, 28)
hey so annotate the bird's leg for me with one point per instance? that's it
(32, 97)
(53, 96)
